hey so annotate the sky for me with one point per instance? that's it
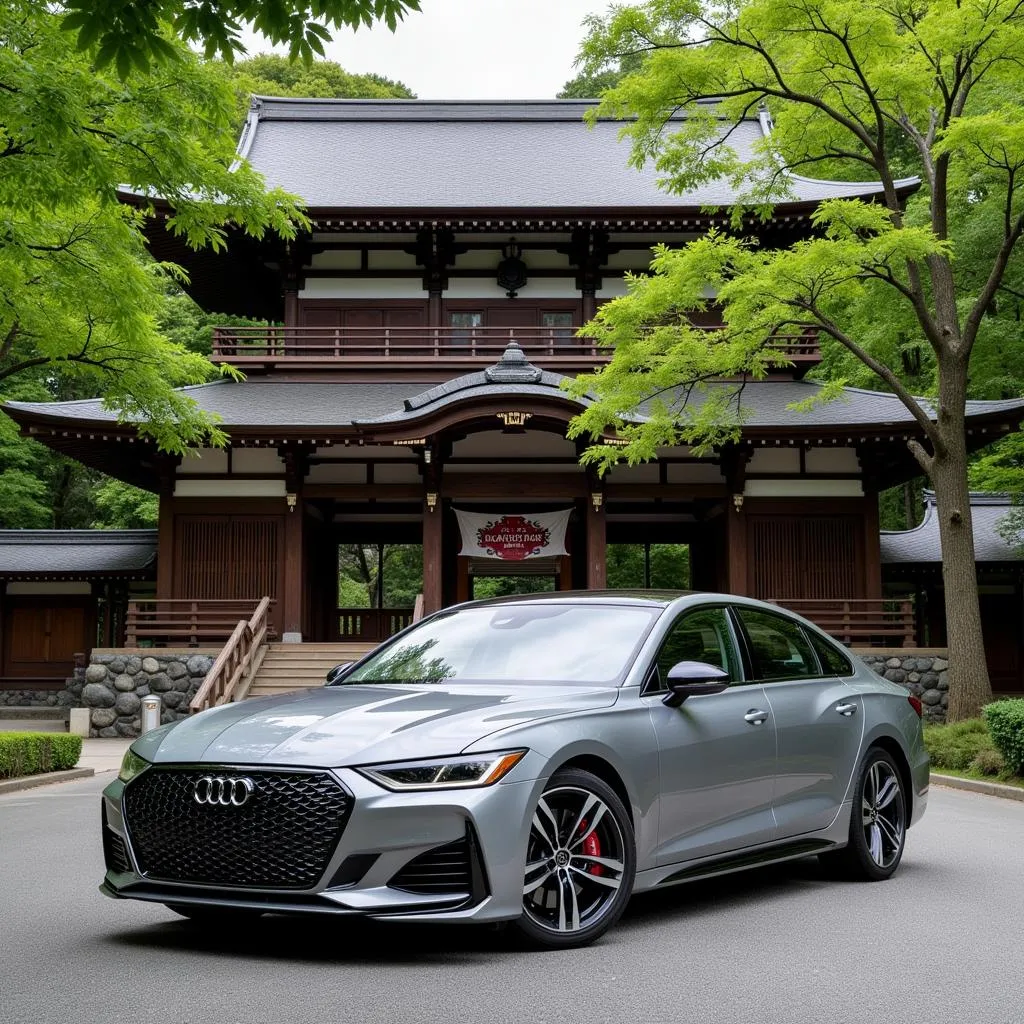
(470, 49)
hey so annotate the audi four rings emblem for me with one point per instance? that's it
(219, 790)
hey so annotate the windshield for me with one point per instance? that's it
(511, 643)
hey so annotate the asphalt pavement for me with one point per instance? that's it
(938, 943)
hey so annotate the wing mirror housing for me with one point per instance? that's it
(693, 679)
(337, 672)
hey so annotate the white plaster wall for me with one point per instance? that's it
(336, 473)
(49, 587)
(397, 473)
(536, 288)
(693, 473)
(774, 460)
(337, 259)
(256, 460)
(204, 460)
(802, 487)
(611, 288)
(229, 488)
(648, 473)
(362, 288)
(832, 460)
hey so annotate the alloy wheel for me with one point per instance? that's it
(882, 808)
(576, 861)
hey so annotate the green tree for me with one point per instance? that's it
(131, 33)
(78, 293)
(840, 78)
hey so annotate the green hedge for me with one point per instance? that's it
(28, 753)
(1005, 720)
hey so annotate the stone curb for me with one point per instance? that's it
(978, 786)
(44, 779)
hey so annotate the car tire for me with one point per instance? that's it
(580, 863)
(211, 915)
(878, 823)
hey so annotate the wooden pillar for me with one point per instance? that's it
(565, 572)
(462, 579)
(872, 549)
(737, 555)
(597, 569)
(165, 553)
(433, 546)
(290, 603)
(734, 459)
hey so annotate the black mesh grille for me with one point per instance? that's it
(282, 837)
(445, 869)
(114, 853)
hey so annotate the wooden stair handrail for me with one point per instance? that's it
(417, 608)
(234, 663)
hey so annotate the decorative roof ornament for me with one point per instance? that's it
(512, 270)
(513, 368)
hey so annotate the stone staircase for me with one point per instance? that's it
(288, 667)
(33, 719)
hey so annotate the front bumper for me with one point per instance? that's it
(384, 833)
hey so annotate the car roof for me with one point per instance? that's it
(642, 598)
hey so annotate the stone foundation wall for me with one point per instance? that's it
(37, 699)
(113, 686)
(924, 673)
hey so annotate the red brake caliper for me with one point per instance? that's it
(592, 848)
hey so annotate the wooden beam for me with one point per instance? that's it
(433, 542)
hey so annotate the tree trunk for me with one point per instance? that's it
(969, 686)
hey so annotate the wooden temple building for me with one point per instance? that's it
(409, 366)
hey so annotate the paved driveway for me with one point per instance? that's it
(939, 943)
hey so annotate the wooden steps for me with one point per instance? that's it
(289, 667)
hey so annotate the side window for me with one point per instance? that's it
(778, 647)
(700, 635)
(833, 661)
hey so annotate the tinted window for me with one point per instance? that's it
(515, 643)
(778, 647)
(833, 661)
(701, 635)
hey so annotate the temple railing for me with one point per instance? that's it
(368, 347)
(232, 673)
(183, 623)
(860, 622)
(372, 625)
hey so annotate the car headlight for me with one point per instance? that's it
(445, 772)
(131, 766)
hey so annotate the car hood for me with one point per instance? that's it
(338, 725)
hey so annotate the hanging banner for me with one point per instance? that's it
(513, 538)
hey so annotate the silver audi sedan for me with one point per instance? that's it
(533, 760)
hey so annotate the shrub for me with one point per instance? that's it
(956, 746)
(1005, 720)
(28, 753)
(988, 761)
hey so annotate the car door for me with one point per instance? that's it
(819, 720)
(716, 752)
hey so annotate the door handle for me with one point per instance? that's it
(755, 717)
(846, 709)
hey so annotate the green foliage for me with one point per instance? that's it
(78, 294)
(506, 586)
(957, 745)
(669, 566)
(274, 75)
(130, 34)
(120, 506)
(1005, 720)
(29, 753)
(357, 575)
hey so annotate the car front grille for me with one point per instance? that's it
(281, 837)
(445, 869)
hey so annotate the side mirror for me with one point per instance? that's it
(337, 672)
(693, 679)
